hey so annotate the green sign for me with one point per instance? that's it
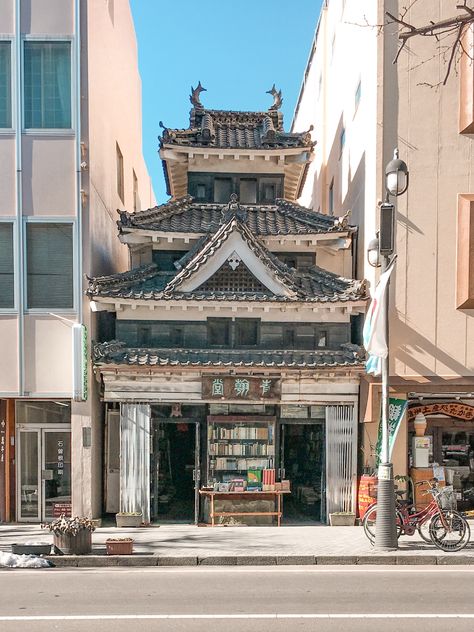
(396, 410)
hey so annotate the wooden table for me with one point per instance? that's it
(277, 495)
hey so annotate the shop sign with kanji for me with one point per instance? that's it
(237, 387)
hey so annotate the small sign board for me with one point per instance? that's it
(240, 388)
(294, 410)
(62, 509)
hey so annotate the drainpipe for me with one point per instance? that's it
(20, 247)
(77, 41)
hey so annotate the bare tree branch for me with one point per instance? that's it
(455, 25)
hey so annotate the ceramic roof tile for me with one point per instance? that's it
(148, 283)
(187, 215)
(230, 129)
(117, 353)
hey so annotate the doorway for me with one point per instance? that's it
(175, 471)
(43, 472)
(302, 461)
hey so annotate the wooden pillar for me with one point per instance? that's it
(7, 460)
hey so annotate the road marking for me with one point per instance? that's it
(120, 617)
(363, 568)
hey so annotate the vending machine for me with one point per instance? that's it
(421, 449)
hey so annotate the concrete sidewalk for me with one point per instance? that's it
(170, 545)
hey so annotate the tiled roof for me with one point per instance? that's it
(229, 129)
(186, 215)
(148, 283)
(115, 352)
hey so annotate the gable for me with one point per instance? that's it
(231, 247)
(233, 276)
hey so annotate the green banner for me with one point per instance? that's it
(396, 410)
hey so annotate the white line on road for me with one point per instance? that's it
(253, 569)
(120, 617)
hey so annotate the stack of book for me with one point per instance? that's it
(268, 480)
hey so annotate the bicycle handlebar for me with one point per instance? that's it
(432, 482)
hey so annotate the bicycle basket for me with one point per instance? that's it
(447, 498)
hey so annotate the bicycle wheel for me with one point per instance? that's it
(450, 532)
(424, 531)
(369, 523)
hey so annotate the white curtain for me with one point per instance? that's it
(135, 458)
(341, 458)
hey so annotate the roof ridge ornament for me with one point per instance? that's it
(194, 97)
(233, 210)
(277, 98)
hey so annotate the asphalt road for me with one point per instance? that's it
(237, 599)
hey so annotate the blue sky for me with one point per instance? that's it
(237, 49)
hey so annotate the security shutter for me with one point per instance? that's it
(341, 458)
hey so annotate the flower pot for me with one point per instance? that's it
(119, 547)
(128, 520)
(69, 544)
(31, 549)
(342, 519)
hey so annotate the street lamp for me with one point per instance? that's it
(396, 183)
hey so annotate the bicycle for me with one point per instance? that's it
(437, 524)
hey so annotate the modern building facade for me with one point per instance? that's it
(69, 159)
(360, 120)
(233, 349)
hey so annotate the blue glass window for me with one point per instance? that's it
(7, 298)
(5, 85)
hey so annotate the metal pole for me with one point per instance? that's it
(386, 529)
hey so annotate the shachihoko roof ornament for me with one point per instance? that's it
(277, 98)
(194, 97)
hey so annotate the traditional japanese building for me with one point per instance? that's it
(228, 349)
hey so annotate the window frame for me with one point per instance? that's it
(342, 140)
(357, 95)
(120, 172)
(13, 222)
(236, 344)
(331, 198)
(136, 195)
(11, 129)
(76, 297)
(228, 322)
(50, 131)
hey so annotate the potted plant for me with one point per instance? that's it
(72, 536)
(129, 518)
(119, 546)
(342, 519)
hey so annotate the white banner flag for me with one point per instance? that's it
(375, 338)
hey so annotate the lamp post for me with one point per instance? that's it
(379, 253)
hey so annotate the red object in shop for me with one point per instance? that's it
(367, 493)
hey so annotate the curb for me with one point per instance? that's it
(101, 561)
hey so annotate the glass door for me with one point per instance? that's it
(28, 489)
(43, 473)
(56, 473)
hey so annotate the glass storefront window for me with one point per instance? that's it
(40, 412)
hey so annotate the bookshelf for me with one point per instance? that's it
(237, 443)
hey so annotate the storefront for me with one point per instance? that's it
(246, 451)
(435, 437)
(35, 459)
(441, 444)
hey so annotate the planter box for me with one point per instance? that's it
(124, 520)
(31, 549)
(119, 547)
(342, 520)
(80, 544)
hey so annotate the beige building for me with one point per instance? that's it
(71, 155)
(362, 107)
